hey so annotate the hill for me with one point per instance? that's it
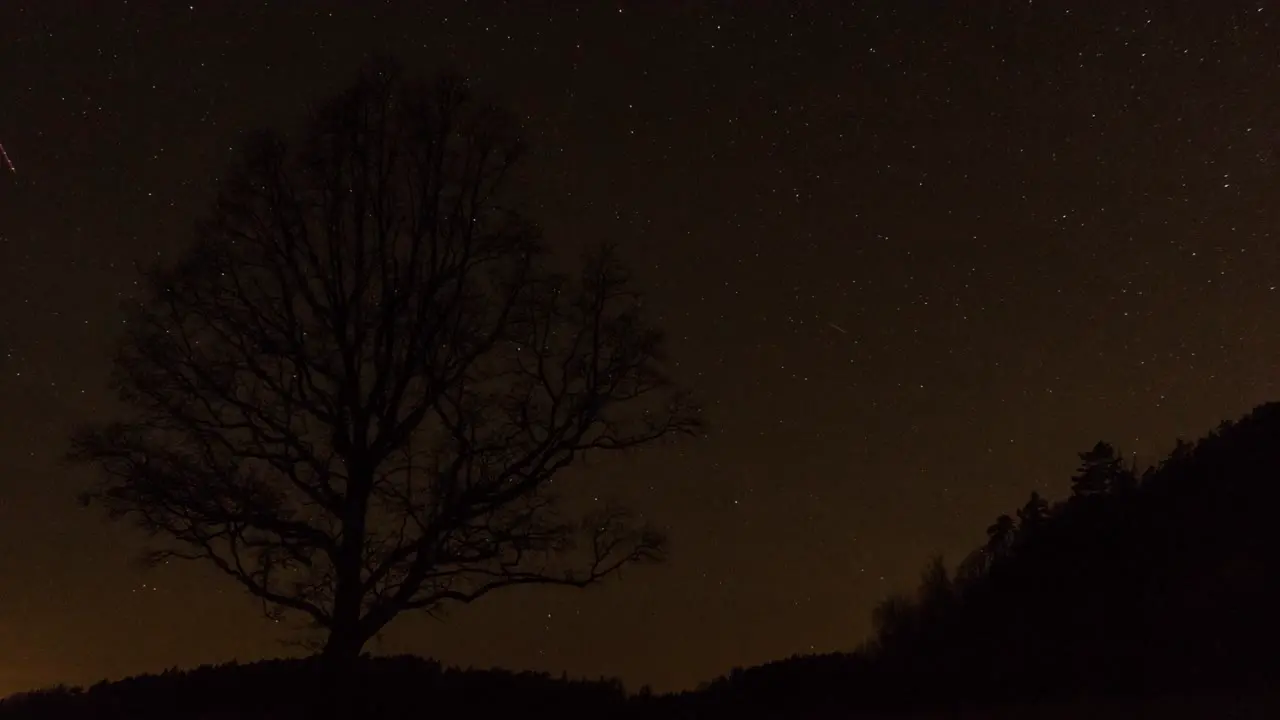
(1141, 585)
(391, 687)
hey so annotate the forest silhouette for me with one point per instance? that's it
(1143, 583)
(352, 396)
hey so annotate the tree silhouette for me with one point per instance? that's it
(353, 394)
(1032, 515)
(1100, 468)
(1000, 537)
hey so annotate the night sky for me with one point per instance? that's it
(912, 259)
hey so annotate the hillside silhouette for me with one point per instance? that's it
(1145, 588)
(1142, 581)
(388, 687)
(1145, 583)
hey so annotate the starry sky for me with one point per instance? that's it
(912, 255)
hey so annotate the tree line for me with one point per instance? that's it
(1142, 583)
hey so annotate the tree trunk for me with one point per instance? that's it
(339, 674)
(342, 650)
(339, 660)
(346, 631)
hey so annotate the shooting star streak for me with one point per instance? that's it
(838, 329)
(7, 161)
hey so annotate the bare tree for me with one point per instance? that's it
(353, 394)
